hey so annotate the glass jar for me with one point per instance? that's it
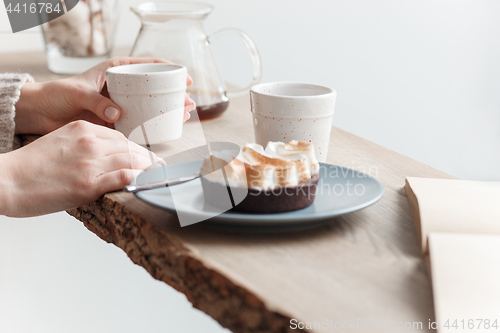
(82, 37)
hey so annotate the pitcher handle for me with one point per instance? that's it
(254, 55)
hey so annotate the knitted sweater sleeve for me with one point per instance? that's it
(10, 90)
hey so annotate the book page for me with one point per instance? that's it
(465, 281)
(458, 206)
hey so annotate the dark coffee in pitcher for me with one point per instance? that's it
(208, 110)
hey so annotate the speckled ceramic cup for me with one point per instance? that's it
(151, 98)
(284, 111)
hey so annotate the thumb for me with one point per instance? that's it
(102, 106)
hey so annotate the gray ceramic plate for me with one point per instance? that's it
(340, 191)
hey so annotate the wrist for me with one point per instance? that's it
(28, 119)
(7, 185)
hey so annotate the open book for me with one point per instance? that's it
(459, 227)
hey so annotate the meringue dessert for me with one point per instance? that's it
(280, 178)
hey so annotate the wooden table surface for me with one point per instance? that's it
(363, 268)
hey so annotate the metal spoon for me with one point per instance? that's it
(159, 184)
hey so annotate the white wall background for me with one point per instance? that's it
(421, 77)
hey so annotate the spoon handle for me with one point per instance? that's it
(159, 184)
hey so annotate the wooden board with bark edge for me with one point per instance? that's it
(363, 268)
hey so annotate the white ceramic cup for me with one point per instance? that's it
(284, 111)
(151, 98)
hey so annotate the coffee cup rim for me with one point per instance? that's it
(328, 91)
(167, 69)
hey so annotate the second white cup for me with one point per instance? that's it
(284, 111)
(151, 98)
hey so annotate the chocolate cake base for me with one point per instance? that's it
(280, 200)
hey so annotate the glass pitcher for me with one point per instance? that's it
(174, 31)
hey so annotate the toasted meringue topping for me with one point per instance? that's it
(280, 164)
(297, 151)
(234, 168)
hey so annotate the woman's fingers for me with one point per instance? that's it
(127, 146)
(123, 145)
(120, 161)
(189, 105)
(99, 105)
(188, 101)
(87, 130)
(108, 141)
(116, 180)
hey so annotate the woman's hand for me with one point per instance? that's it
(44, 107)
(67, 168)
